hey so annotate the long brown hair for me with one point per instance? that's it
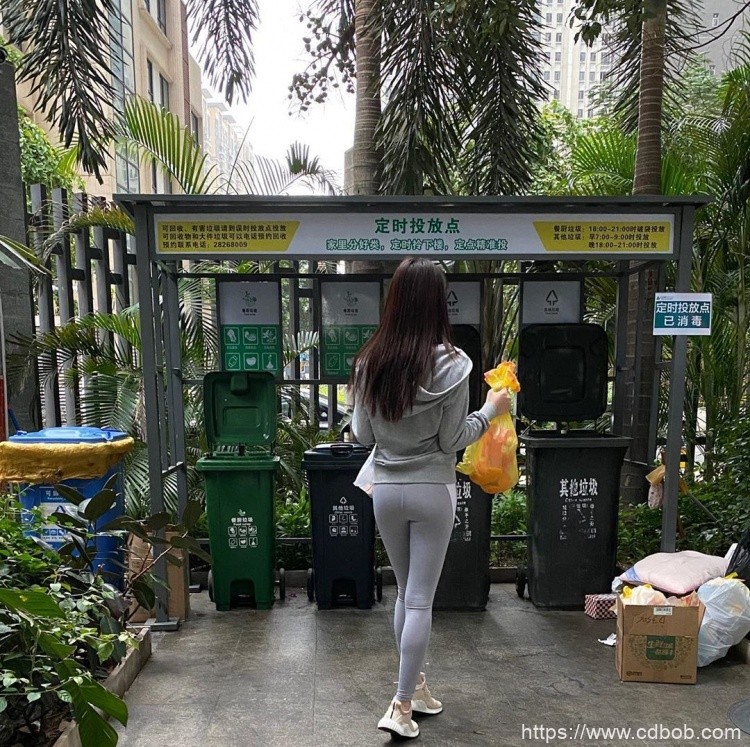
(398, 357)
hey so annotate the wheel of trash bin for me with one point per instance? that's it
(379, 584)
(210, 585)
(282, 585)
(520, 582)
(310, 584)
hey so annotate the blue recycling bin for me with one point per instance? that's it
(109, 550)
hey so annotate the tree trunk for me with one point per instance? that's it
(15, 285)
(365, 160)
(647, 181)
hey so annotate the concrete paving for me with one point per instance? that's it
(295, 677)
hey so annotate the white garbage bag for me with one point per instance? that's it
(727, 618)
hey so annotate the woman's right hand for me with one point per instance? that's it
(500, 400)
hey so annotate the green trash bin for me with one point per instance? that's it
(240, 413)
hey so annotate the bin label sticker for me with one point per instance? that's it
(250, 318)
(578, 507)
(462, 518)
(51, 502)
(242, 532)
(351, 312)
(343, 519)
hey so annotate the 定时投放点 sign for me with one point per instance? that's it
(460, 234)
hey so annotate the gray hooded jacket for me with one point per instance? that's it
(422, 446)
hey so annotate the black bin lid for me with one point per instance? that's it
(562, 369)
(336, 456)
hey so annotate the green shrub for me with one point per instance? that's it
(508, 517)
(56, 631)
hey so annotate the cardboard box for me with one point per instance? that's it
(600, 606)
(140, 556)
(658, 643)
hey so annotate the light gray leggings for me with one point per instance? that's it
(415, 522)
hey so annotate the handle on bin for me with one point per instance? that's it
(340, 449)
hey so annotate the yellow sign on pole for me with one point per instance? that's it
(217, 236)
(600, 236)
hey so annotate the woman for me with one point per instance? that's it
(411, 397)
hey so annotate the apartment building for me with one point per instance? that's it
(573, 70)
(224, 139)
(149, 57)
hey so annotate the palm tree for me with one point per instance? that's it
(458, 84)
(66, 61)
(100, 353)
(705, 153)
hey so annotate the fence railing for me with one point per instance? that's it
(91, 270)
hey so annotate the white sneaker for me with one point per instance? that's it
(398, 723)
(422, 701)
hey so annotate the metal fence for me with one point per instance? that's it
(90, 270)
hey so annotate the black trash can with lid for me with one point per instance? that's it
(573, 476)
(465, 579)
(343, 527)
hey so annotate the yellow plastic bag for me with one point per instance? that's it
(491, 461)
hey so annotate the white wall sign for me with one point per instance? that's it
(248, 302)
(550, 302)
(464, 305)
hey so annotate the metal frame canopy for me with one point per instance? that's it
(172, 228)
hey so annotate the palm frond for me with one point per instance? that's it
(66, 45)
(96, 216)
(15, 254)
(267, 176)
(223, 31)
(159, 136)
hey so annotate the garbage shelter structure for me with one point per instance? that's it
(558, 243)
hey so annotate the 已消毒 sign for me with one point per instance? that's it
(682, 314)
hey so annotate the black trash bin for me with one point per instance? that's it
(573, 476)
(343, 528)
(573, 493)
(465, 580)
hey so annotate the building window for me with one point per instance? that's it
(556, 94)
(558, 38)
(559, 17)
(558, 56)
(591, 112)
(580, 114)
(158, 9)
(602, 76)
(150, 76)
(195, 127)
(548, 37)
(712, 69)
(592, 76)
(593, 57)
(557, 76)
(546, 74)
(606, 56)
(158, 90)
(581, 95)
(549, 19)
(123, 84)
(163, 91)
(582, 76)
(582, 57)
(715, 20)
